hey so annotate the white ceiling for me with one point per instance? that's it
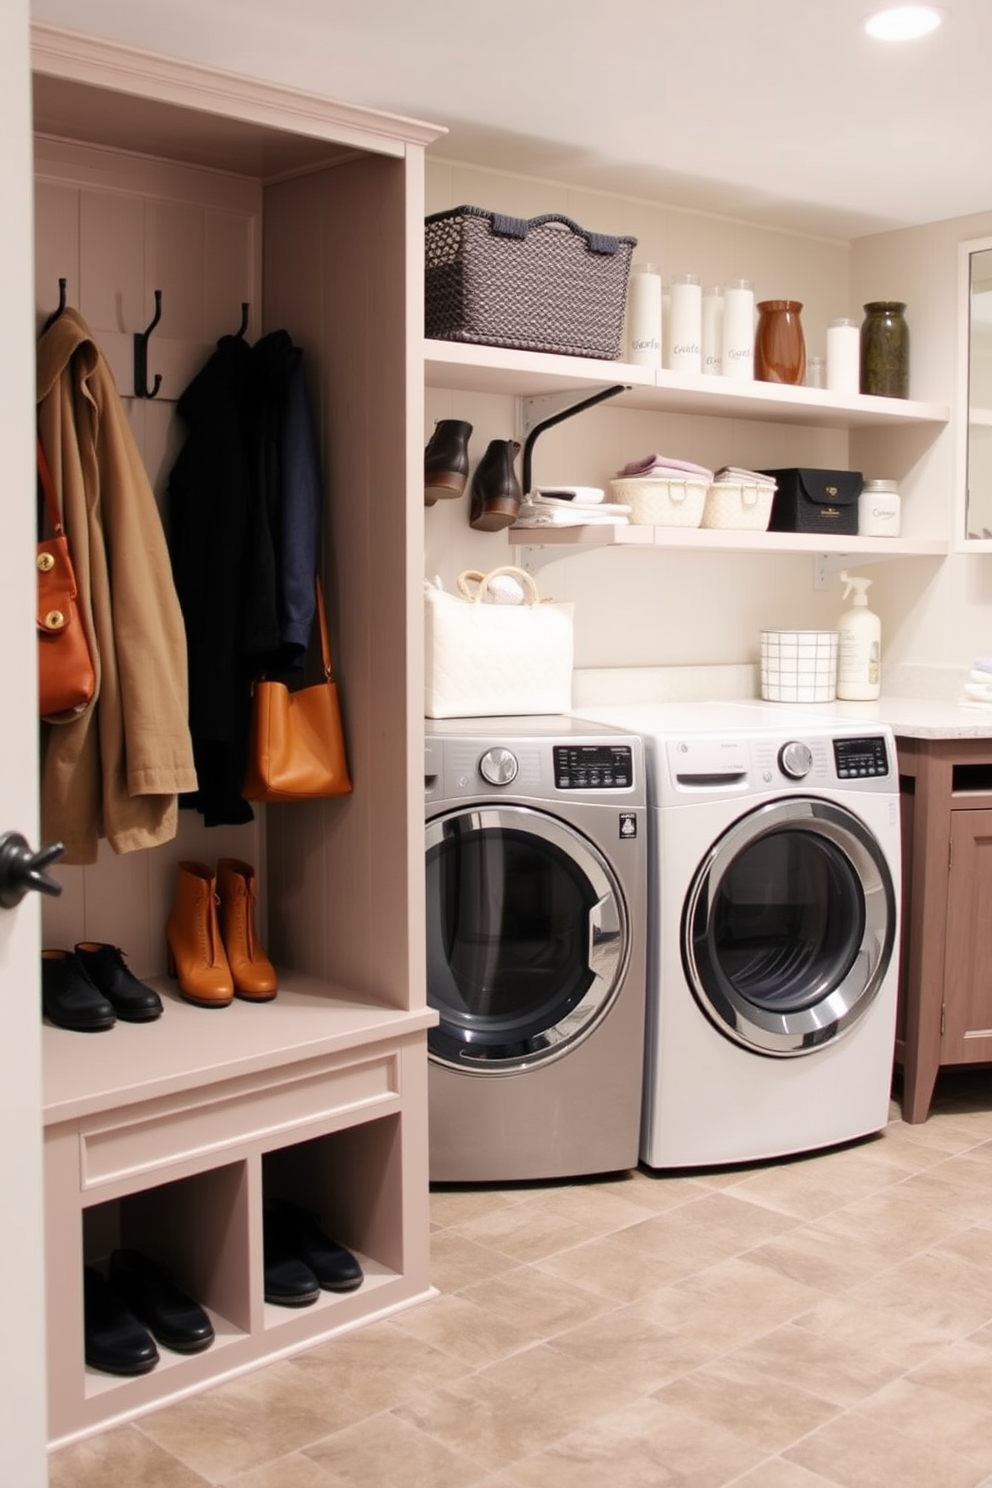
(779, 111)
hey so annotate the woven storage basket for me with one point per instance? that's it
(537, 284)
(738, 506)
(655, 502)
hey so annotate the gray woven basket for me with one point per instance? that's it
(538, 284)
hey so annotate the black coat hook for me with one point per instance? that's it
(141, 388)
(242, 328)
(58, 311)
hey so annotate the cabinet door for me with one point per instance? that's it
(22, 1374)
(967, 1020)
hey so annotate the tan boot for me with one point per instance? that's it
(253, 972)
(196, 951)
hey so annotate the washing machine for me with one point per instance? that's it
(773, 899)
(536, 895)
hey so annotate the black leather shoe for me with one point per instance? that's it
(496, 493)
(105, 966)
(68, 997)
(114, 1339)
(446, 460)
(289, 1281)
(170, 1316)
(335, 1268)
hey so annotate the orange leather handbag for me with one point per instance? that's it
(66, 676)
(296, 748)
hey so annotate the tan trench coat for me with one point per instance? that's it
(116, 770)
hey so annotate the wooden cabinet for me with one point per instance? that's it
(217, 190)
(945, 1001)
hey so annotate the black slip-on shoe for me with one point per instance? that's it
(68, 997)
(114, 1340)
(174, 1319)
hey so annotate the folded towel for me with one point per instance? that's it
(662, 465)
(567, 514)
(734, 474)
(970, 702)
(982, 691)
(580, 495)
(982, 664)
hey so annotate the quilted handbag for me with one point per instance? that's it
(66, 675)
(484, 656)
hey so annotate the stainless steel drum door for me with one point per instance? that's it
(527, 937)
(789, 925)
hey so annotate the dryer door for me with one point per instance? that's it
(527, 937)
(789, 926)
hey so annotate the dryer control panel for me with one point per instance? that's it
(857, 759)
(593, 766)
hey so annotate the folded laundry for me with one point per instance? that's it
(979, 691)
(567, 514)
(983, 664)
(734, 475)
(579, 494)
(964, 701)
(661, 465)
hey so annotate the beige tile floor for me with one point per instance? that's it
(821, 1321)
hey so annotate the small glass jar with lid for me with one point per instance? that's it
(879, 509)
(885, 350)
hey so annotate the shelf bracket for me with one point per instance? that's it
(826, 565)
(538, 414)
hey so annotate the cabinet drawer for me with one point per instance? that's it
(198, 1124)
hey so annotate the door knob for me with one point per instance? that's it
(21, 869)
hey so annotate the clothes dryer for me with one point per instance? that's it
(536, 882)
(772, 965)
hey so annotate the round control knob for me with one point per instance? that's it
(498, 766)
(795, 759)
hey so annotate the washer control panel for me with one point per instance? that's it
(857, 759)
(593, 766)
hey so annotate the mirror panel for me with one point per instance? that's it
(979, 394)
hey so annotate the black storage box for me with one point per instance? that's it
(815, 501)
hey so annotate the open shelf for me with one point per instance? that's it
(720, 540)
(493, 369)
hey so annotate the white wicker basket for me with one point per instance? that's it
(657, 502)
(738, 506)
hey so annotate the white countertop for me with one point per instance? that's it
(922, 704)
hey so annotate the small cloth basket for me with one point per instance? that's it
(738, 506)
(668, 501)
(535, 284)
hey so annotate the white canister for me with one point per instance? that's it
(738, 329)
(844, 356)
(879, 509)
(644, 316)
(712, 339)
(683, 338)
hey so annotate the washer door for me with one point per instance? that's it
(789, 925)
(527, 937)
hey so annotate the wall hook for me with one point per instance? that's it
(242, 328)
(141, 388)
(58, 310)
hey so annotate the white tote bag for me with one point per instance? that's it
(485, 657)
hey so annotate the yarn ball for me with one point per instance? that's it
(505, 589)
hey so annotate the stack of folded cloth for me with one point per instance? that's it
(660, 467)
(569, 506)
(733, 475)
(977, 691)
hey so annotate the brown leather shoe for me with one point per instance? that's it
(496, 494)
(253, 973)
(446, 460)
(196, 954)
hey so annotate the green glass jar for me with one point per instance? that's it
(885, 350)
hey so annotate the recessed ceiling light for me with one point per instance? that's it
(903, 22)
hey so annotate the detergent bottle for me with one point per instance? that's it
(859, 647)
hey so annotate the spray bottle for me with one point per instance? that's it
(859, 649)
